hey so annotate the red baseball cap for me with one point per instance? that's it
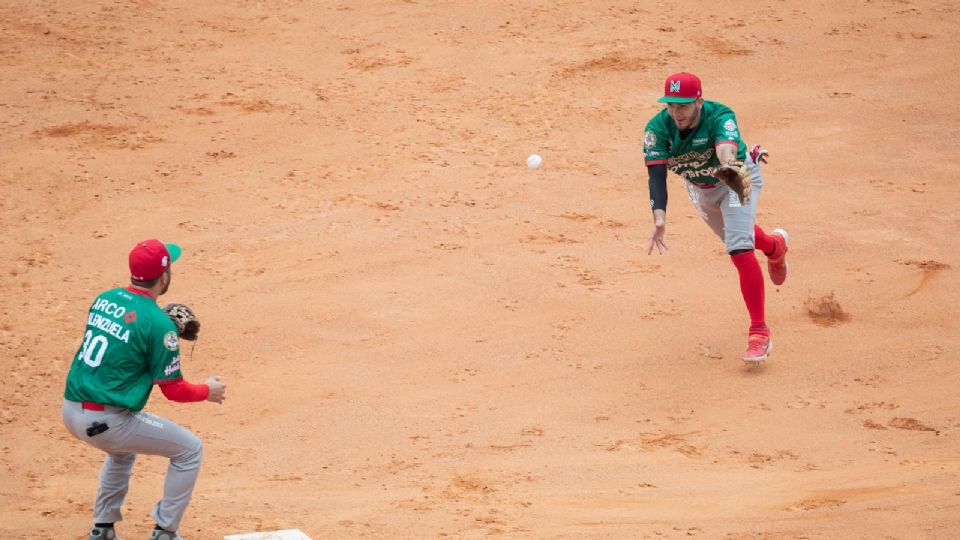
(681, 87)
(150, 258)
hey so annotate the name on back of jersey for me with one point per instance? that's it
(105, 323)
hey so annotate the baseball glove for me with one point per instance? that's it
(735, 176)
(188, 326)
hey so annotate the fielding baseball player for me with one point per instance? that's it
(700, 141)
(130, 344)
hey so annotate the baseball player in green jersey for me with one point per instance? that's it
(695, 138)
(130, 344)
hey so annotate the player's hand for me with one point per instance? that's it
(659, 229)
(217, 390)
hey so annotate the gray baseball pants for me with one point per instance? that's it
(721, 209)
(130, 434)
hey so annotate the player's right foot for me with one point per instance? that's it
(103, 533)
(164, 535)
(777, 264)
(758, 348)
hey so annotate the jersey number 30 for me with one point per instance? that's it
(93, 343)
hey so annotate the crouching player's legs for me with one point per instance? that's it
(146, 433)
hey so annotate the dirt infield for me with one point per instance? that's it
(423, 338)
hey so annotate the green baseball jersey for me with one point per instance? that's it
(694, 156)
(129, 344)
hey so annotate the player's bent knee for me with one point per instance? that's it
(191, 458)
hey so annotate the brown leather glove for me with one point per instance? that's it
(188, 326)
(734, 174)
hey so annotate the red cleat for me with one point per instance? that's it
(777, 264)
(758, 348)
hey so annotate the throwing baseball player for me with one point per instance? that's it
(700, 141)
(130, 344)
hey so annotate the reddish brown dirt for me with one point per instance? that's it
(422, 338)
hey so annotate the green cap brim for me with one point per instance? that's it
(174, 250)
(669, 99)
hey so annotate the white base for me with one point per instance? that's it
(286, 534)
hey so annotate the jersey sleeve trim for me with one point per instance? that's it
(656, 162)
(718, 143)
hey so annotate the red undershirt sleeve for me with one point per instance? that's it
(183, 392)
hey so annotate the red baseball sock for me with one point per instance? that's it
(763, 241)
(751, 286)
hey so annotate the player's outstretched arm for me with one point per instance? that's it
(658, 203)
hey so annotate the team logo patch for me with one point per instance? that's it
(171, 341)
(650, 139)
(675, 86)
(130, 317)
(730, 125)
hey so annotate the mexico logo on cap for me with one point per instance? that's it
(675, 86)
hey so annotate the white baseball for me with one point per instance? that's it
(534, 161)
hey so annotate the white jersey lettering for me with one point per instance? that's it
(109, 327)
(173, 367)
(109, 308)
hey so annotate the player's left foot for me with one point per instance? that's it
(758, 348)
(777, 264)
